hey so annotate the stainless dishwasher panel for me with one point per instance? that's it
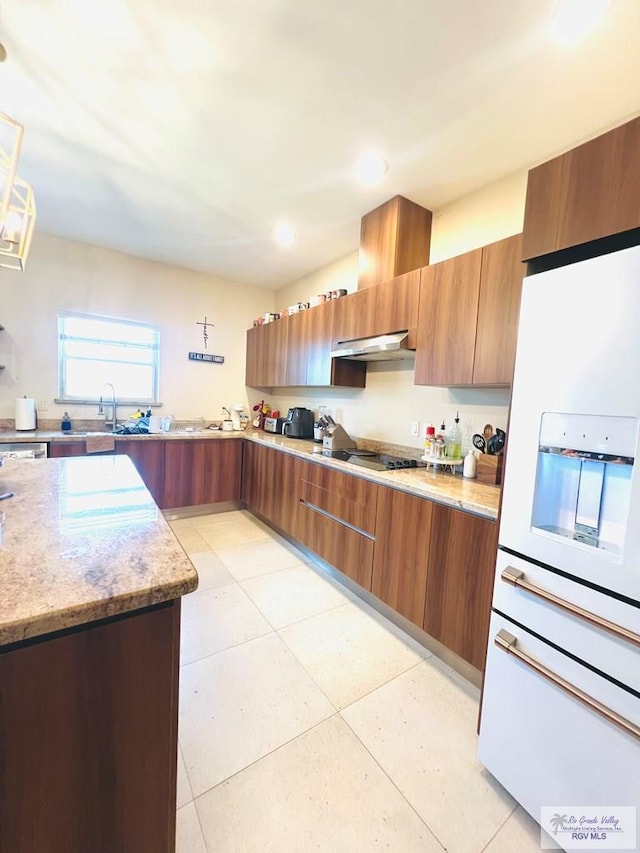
(24, 450)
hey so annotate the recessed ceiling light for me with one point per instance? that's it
(284, 235)
(573, 19)
(370, 168)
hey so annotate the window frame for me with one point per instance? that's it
(154, 348)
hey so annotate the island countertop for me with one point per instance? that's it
(82, 541)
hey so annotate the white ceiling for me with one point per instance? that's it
(183, 130)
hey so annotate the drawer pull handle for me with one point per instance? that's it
(515, 577)
(507, 643)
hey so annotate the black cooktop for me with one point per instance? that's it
(374, 461)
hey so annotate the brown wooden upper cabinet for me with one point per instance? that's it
(585, 194)
(266, 354)
(468, 317)
(388, 307)
(394, 238)
(295, 351)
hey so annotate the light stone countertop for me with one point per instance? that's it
(82, 540)
(57, 436)
(446, 488)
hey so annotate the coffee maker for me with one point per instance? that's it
(299, 423)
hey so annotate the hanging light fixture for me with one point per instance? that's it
(18, 226)
(17, 203)
(11, 133)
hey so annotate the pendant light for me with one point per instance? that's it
(11, 133)
(18, 226)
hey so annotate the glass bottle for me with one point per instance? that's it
(454, 445)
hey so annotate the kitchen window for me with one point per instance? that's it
(93, 350)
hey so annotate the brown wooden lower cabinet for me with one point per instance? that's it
(60, 450)
(201, 472)
(462, 553)
(270, 485)
(401, 555)
(348, 550)
(337, 519)
(88, 737)
(148, 457)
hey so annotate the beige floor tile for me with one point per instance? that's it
(421, 728)
(251, 559)
(191, 541)
(292, 594)
(519, 834)
(212, 572)
(233, 531)
(184, 794)
(322, 791)
(179, 525)
(348, 653)
(188, 833)
(239, 705)
(218, 619)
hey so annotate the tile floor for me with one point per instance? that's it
(310, 722)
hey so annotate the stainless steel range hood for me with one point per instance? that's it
(380, 348)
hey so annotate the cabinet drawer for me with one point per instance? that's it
(533, 730)
(355, 514)
(346, 549)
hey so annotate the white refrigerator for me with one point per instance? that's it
(560, 724)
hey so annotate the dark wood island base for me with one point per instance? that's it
(88, 737)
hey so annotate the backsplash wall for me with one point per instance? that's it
(385, 409)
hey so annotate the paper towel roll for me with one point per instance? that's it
(25, 413)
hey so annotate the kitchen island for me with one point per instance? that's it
(89, 641)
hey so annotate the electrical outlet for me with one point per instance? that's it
(43, 405)
(415, 429)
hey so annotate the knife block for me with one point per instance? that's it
(489, 469)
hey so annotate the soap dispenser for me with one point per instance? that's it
(65, 424)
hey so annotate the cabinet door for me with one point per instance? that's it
(586, 194)
(298, 347)
(320, 332)
(275, 352)
(401, 552)
(498, 307)
(462, 555)
(396, 305)
(256, 366)
(354, 315)
(58, 450)
(249, 487)
(147, 454)
(202, 471)
(270, 485)
(447, 321)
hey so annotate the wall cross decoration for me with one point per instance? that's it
(205, 335)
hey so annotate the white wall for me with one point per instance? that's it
(385, 409)
(64, 275)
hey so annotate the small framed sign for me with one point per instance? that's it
(206, 356)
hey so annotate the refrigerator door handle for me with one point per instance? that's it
(506, 642)
(515, 577)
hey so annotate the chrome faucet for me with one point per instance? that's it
(111, 422)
